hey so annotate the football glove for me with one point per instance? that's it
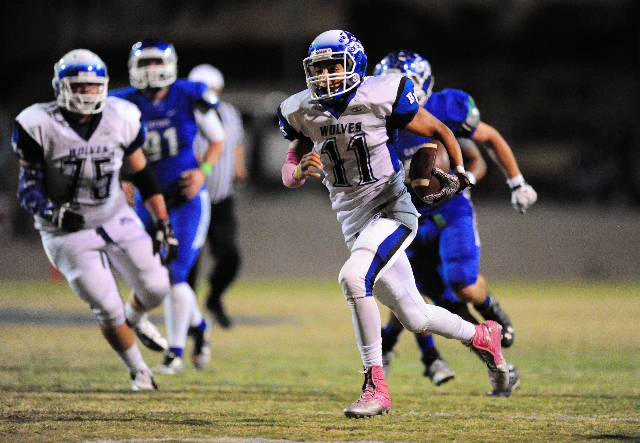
(65, 218)
(165, 242)
(452, 184)
(523, 196)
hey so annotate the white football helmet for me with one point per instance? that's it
(341, 47)
(143, 75)
(209, 75)
(80, 66)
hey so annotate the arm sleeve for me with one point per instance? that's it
(210, 125)
(32, 194)
(289, 167)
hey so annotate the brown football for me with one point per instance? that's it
(430, 155)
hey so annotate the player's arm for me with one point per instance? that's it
(210, 126)
(424, 124)
(523, 196)
(301, 159)
(143, 178)
(474, 163)
(32, 191)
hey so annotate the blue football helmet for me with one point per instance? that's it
(414, 66)
(80, 66)
(341, 47)
(143, 74)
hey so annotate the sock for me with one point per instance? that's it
(484, 305)
(176, 351)
(132, 359)
(365, 316)
(178, 312)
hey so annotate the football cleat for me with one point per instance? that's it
(201, 347)
(486, 344)
(143, 381)
(172, 364)
(438, 371)
(514, 383)
(149, 335)
(375, 399)
(495, 312)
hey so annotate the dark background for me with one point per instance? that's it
(560, 79)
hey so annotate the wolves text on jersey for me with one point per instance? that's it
(347, 128)
(88, 150)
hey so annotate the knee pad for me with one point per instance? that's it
(352, 279)
(102, 297)
(155, 287)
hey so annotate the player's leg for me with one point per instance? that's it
(182, 314)
(372, 252)
(460, 252)
(423, 254)
(397, 291)
(130, 251)
(80, 257)
(222, 238)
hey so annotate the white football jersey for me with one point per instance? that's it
(361, 169)
(84, 173)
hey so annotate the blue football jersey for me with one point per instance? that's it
(171, 129)
(457, 110)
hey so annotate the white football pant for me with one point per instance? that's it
(378, 266)
(85, 257)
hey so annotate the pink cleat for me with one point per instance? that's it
(375, 399)
(486, 343)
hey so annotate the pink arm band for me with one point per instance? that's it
(289, 168)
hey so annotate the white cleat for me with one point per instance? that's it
(143, 381)
(171, 365)
(149, 335)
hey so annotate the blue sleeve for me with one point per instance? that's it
(287, 130)
(32, 194)
(405, 107)
(25, 147)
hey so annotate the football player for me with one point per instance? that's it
(173, 111)
(222, 235)
(71, 151)
(445, 255)
(341, 125)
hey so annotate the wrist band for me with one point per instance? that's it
(472, 177)
(515, 181)
(206, 168)
(295, 173)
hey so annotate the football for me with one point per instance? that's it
(430, 155)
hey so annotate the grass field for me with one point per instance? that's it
(289, 367)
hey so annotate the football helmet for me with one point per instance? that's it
(341, 47)
(412, 64)
(85, 67)
(209, 75)
(158, 75)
